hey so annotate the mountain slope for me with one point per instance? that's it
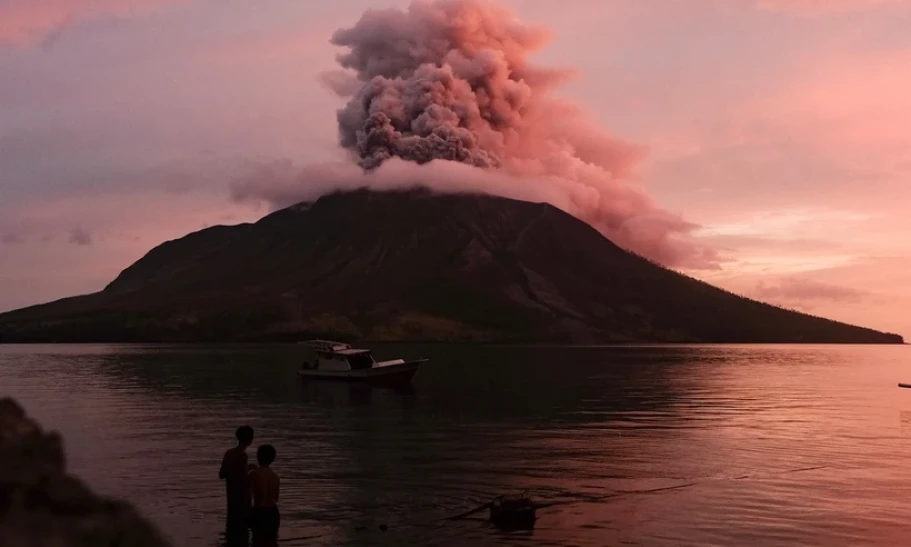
(407, 266)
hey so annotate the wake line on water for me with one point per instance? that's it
(569, 498)
(581, 498)
(685, 485)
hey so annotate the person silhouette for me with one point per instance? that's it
(264, 486)
(233, 471)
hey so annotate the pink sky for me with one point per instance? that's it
(782, 128)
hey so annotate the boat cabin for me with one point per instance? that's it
(337, 356)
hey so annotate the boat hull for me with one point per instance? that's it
(397, 374)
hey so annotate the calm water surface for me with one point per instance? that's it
(150, 423)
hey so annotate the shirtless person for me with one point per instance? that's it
(264, 516)
(233, 471)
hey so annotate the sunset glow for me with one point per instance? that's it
(770, 137)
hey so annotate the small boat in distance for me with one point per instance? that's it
(339, 361)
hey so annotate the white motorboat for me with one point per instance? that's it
(339, 361)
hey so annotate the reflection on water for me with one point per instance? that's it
(577, 427)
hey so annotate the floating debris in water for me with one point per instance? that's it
(507, 512)
(513, 513)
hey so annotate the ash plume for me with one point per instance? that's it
(450, 81)
(446, 79)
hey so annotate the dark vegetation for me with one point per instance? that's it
(413, 266)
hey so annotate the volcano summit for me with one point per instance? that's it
(413, 265)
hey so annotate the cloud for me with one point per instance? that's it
(280, 184)
(800, 291)
(817, 7)
(119, 216)
(10, 237)
(72, 245)
(782, 224)
(79, 236)
(868, 291)
(27, 22)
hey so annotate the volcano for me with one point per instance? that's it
(408, 266)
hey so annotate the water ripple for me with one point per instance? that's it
(711, 431)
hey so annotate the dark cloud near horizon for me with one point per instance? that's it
(80, 236)
(803, 291)
(11, 238)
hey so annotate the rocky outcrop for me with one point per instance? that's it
(40, 505)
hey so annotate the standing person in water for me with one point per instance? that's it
(264, 483)
(233, 471)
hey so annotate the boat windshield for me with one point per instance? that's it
(361, 360)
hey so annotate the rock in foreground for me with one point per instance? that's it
(40, 505)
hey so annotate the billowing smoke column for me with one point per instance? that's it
(450, 80)
(444, 80)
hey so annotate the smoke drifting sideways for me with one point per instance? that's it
(442, 95)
